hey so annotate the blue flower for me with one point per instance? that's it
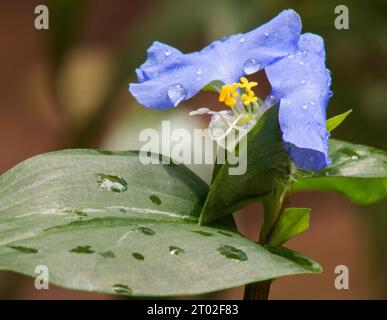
(294, 64)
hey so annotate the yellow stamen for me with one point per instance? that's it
(247, 85)
(228, 93)
(249, 98)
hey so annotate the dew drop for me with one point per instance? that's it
(145, 230)
(138, 256)
(301, 63)
(303, 81)
(266, 34)
(225, 233)
(203, 233)
(107, 254)
(155, 199)
(199, 72)
(176, 93)
(290, 56)
(83, 249)
(330, 93)
(112, 183)
(251, 66)
(122, 289)
(23, 249)
(304, 107)
(312, 103)
(298, 53)
(243, 39)
(175, 250)
(233, 253)
(167, 53)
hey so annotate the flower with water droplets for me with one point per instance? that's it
(165, 80)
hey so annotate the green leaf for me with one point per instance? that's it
(359, 172)
(104, 222)
(335, 121)
(295, 256)
(292, 222)
(268, 167)
(214, 86)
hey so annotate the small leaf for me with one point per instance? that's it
(359, 172)
(214, 86)
(292, 222)
(335, 121)
(268, 166)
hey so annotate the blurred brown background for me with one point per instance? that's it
(67, 87)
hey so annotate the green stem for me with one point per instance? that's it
(274, 206)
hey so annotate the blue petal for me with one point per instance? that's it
(169, 76)
(302, 82)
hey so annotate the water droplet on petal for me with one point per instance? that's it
(176, 94)
(233, 253)
(199, 72)
(111, 182)
(167, 52)
(330, 93)
(303, 81)
(301, 63)
(266, 34)
(298, 53)
(251, 66)
(312, 103)
(304, 107)
(290, 56)
(175, 250)
(243, 39)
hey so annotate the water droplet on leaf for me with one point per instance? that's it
(138, 256)
(203, 233)
(233, 253)
(122, 289)
(175, 250)
(145, 230)
(225, 233)
(82, 249)
(155, 199)
(112, 183)
(108, 254)
(23, 249)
